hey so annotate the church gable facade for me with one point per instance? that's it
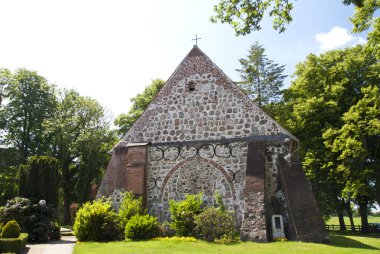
(202, 134)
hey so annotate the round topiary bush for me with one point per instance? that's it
(141, 227)
(97, 222)
(11, 230)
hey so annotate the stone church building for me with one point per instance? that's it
(202, 134)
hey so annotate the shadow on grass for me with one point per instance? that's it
(345, 242)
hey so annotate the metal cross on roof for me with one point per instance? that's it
(196, 39)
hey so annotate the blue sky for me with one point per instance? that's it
(110, 50)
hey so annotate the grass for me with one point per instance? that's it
(340, 244)
(357, 221)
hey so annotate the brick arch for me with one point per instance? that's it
(217, 166)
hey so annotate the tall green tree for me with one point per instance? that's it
(357, 143)
(139, 103)
(9, 160)
(40, 179)
(245, 16)
(31, 100)
(80, 134)
(325, 88)
(262, 78)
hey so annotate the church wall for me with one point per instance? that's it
(174, 171)
(201, 106)
(195, 137)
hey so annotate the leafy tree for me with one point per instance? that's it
(40, 179)
(262, 79)
(31, 100)
(9, 159)
(325, 88)
(140, 102)
(245, 16)
(81, 138)
(358, 144)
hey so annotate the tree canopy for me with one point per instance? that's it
(39, 120)
(327, 90)
(31, 100)
(246, 16)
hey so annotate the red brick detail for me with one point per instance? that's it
(126, 171)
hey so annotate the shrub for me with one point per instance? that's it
(97, 221)
(36, 221)
(141, 227)
(15, 245)
(183, 212)
(45, 230)
(40, 178)
(214, 223)
(129, 207)
(10, 230)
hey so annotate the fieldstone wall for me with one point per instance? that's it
(174, 171)
(199, 102)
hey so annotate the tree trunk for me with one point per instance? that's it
(66, 194)
(66, 207)
(363, 211)
(349, 213)
(342, 225)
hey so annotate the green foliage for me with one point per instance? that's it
(96, 221)
(81, 140)
(357, 144)
(363, 17)
(262, 79)
(9, 159)
(13, 245)
(31, 100)
(38, 120)
(38, 222)
(214, 223)
(245, 16)
(141, 227)
(10, 230)
(129, 207)
(326, 87)
(139, 103)
(40, 179)
(183, 214)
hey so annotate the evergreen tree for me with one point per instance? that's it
(40, 179)
(262, 79)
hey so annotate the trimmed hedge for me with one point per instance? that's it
(10, 230)
(15, 245)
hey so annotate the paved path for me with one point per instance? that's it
(63, 246)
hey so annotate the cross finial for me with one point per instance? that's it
(196, 39)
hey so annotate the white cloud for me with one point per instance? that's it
(337, 37)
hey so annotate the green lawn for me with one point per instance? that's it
(340, 243)
(335, 221)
